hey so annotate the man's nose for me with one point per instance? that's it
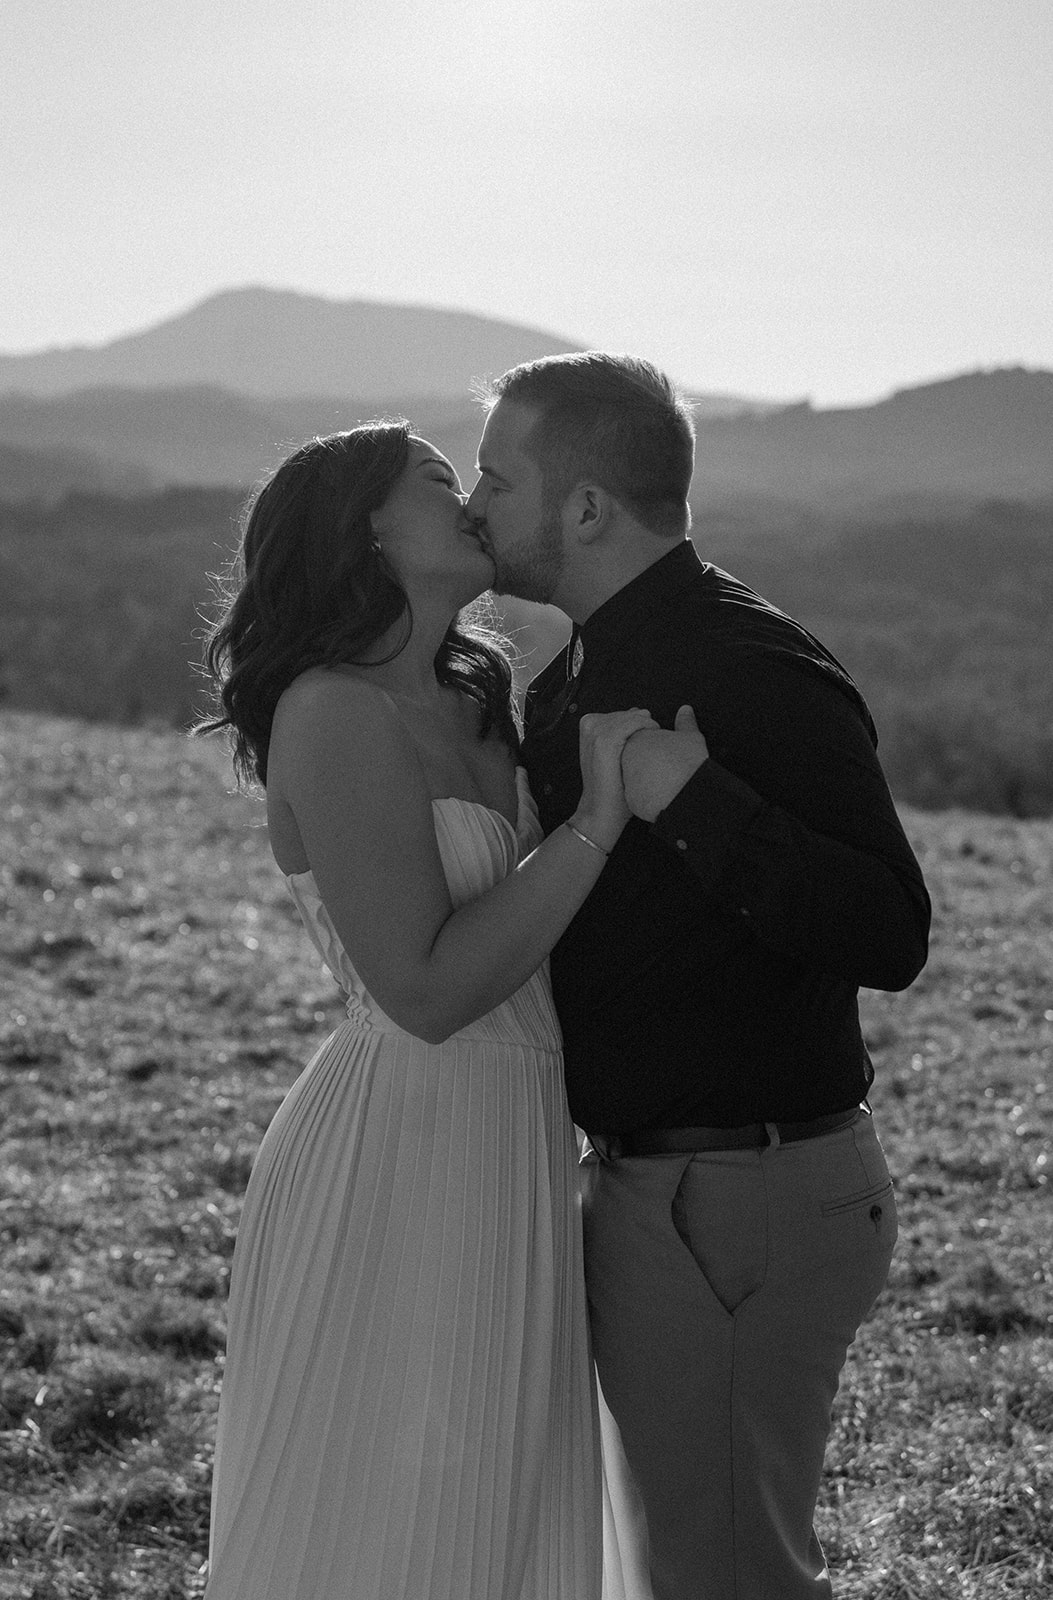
(473, 507)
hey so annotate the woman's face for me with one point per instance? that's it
(422, 529)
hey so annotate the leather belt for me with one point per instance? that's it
(687, 1141)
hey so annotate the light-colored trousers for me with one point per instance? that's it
(724, 1291)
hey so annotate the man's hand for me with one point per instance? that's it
(656, 763)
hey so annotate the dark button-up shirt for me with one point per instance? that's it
(711, 977)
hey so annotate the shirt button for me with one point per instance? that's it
(681, 844)
(546, 788)
(573, 706)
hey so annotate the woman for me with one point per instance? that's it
(408, 1408)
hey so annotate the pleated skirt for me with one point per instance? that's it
(408, 1409)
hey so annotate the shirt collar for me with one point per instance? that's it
(632, 605)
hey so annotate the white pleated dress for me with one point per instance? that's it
(408, 1409)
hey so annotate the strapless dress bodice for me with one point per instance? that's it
(478, 846)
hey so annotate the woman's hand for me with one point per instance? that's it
(602, 811)
(656, 768)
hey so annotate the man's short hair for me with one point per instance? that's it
(614, 420)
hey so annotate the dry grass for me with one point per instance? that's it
(156, 1000)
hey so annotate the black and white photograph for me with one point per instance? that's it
(526, 800)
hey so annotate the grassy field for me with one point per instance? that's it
(156, 1001)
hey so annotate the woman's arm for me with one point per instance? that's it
(343, 761)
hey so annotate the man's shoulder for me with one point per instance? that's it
(707, 613)
(747, 637)
(730, 610)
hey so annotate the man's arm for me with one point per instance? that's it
(787, 819)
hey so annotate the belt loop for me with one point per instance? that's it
(772, 1129)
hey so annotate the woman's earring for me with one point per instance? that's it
(375, 546)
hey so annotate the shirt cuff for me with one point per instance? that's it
(705, 821)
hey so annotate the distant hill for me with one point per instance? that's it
(275, 342)
(978, 436)
(189, 435)
(944, 623)
(218, 394)
(980, 433)
(210, 436)
(49, 475)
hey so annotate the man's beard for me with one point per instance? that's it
(531, 569)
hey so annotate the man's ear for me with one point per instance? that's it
(587, 513)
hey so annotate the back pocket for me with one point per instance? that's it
(862, 1200)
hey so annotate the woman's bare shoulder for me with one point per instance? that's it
(326, 720)
(322, 689)
(335, 706)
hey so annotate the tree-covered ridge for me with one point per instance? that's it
(941, 612)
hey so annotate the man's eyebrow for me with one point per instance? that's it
(488, 472)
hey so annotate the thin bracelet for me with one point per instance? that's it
(585, 839)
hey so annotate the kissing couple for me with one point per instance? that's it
(473, 1355)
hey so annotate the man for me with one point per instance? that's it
(739, 1215)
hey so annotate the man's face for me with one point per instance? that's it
(523, 536)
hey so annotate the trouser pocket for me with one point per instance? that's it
(871, 1199)
(719, 1213)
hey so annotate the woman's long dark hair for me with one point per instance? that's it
(310, 588)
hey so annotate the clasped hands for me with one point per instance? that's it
(657, 762)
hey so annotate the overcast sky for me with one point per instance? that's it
(777, 198)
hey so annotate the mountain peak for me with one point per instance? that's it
(267, 342)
